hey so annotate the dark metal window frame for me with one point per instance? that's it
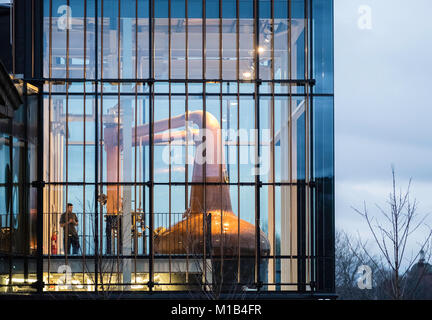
(34, 75)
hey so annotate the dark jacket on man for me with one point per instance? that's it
(69, 226)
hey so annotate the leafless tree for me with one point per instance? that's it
(349, 258)
(212, 269)
(392, 231)
(107, 267)
(215, 269)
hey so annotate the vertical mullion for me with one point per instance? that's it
(96, 108)
(13, 34)
(118, 214)
(311, 150)
(151, 120)
(272, 155)
(27, 177)
(290, 146)
(221, 145)
(135, 228)
(32, 39)
(187, 124)
(142, 157)
(238, 136)
(10, 200)
(220, 99)
(169, 130)
(40, 154)
(204, 127)
(84, 136)
(142, 149)
(67, 135)
(100, 222)
(49, 136)
(39, 219)
(307, 145)
(257, 147)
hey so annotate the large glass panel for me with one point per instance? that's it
(56, 42)
(266, 39)
(142, 30)
(178, 39)
(5, 191)
(181, 155)
(281, 39)
(161, 40)
(206, 195)
(161, 165)
(323, 45)
(75, 40)
(247, 137)
(195, 39)
(246, 50)
(213, 39)
(230, 116)
(128, 43)
(323, 161)
(298, 52)
(229, 40)
(89, 21)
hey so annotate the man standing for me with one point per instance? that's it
(68, 221)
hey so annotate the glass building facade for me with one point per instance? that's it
(194, 139)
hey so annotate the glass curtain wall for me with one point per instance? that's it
(194, 141)
(18, 141)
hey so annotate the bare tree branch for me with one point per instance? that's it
(393, 234)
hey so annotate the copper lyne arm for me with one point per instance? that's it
(229, 234)
(141, 135)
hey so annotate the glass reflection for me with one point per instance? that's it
(154, 128)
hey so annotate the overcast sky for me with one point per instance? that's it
(383, 105)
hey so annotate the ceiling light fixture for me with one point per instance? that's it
(247, 74)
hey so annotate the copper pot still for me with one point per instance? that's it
(209, 223)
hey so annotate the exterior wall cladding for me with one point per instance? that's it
(193, 138)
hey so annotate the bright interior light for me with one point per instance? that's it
(246, 74)
(261, 49)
